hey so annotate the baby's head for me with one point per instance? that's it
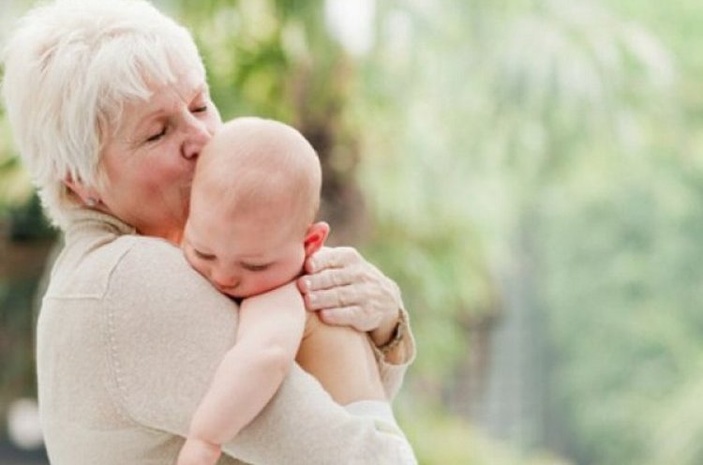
(255, 196)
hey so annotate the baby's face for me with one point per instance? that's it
(243, 257)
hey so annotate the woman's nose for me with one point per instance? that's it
(197, 135)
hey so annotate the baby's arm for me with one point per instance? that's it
(268, 335)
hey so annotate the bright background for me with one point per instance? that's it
(530, 172)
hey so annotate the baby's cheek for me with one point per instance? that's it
(198, 266)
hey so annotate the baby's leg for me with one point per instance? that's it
(342, 360)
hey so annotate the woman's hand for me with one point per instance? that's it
(346, 290)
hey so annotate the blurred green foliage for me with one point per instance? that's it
(439, 438)
(554, 144)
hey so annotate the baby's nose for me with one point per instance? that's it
(224, 280)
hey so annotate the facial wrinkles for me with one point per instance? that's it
(167, 99)
(164, 172)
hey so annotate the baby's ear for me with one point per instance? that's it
(315, 237)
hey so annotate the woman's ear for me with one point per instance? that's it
(88, 195)
(315, 237)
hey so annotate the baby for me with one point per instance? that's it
(254, 201)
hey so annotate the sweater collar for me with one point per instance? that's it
(85, 218)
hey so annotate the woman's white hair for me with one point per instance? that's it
(69, 68)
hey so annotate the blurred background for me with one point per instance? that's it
(530, 172)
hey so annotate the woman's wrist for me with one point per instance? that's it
(396, 337)
(389, 334)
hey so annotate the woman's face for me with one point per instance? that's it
(148, 163)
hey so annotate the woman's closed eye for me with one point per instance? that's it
(201, 102)
(156, 136)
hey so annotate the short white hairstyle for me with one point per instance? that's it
(70, 66)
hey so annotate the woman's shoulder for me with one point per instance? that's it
(149, 251)
(153, 264)
(155, 293)
(163, 320)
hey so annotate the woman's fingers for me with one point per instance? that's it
(332, 258)
(347, 290)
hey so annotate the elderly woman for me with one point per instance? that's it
(109, 106)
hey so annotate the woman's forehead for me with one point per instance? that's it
(164, 98)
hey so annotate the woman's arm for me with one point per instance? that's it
(169, 329)
(302, 425)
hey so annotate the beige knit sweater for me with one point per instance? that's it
(128, 337)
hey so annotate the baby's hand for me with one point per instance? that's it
(198, 452)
